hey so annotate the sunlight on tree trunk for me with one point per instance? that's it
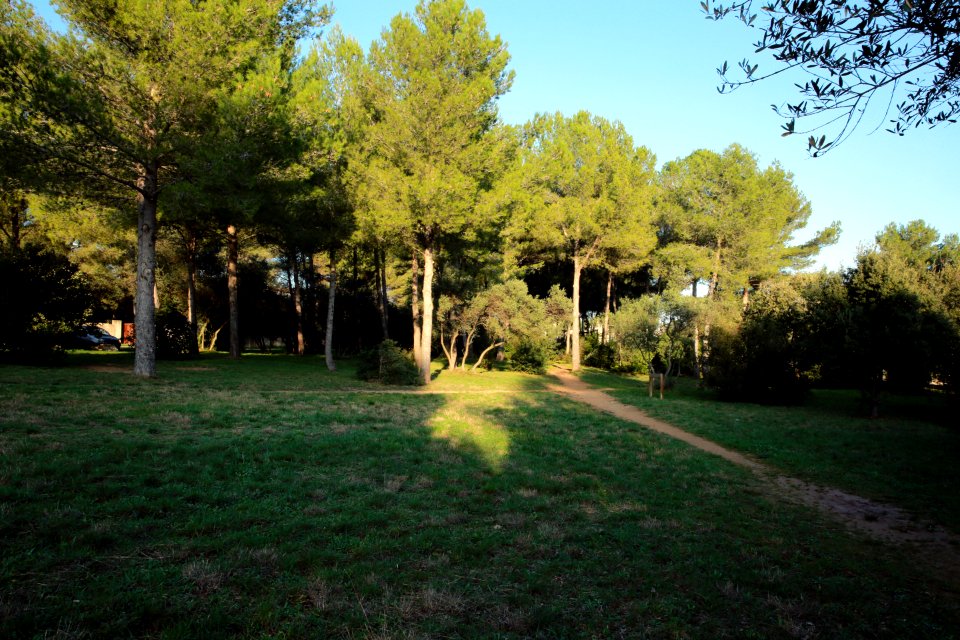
(233, 257)
(415, 306)
(606, 309)
(426, 334)
(575, 316)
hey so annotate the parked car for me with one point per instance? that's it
(93, 337)
(107, 341)
(83, 339)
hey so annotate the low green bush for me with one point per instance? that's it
(388, 364)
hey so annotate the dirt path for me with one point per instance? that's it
(938, 547)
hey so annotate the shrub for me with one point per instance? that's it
(529, 357)
(388, 364)
(176, 339)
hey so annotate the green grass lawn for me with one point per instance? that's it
(908, 457)
(271, 498)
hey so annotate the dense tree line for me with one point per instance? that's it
(191, 158)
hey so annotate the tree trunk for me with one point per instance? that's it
(328, 342)
(426, 333)
(145, 358)
(575, 317)
(415, 305)
(483, 353)
(192, 281)
(606, 309)
(297, 291)
(450, 351)
(233, 257)
(696, 351)
(467, 343)
(380, 260)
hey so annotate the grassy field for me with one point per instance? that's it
(908, 457)
(271, 498)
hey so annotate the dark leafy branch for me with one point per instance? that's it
(906, 50)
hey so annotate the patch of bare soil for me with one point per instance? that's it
(933, 544)
(106, 368)
(195, 368)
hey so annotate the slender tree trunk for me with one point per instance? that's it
(575, 317)
(192, 281)
(380, 260)
(192, 287)
(145, 358)
(415, 305)
(449, 349)
(696, 351)
(426, 333)
(483, 353)
(233, 257)
(297, 291)
(606, 309)
(328, 343)
(467, 343)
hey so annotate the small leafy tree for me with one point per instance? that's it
(506, 314)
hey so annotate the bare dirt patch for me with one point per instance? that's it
(107, 368)
(935, 545)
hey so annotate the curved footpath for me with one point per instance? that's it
(935, 545)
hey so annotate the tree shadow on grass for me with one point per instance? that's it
(514, 514)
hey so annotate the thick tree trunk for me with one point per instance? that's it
(575, 317)
(233, 257)
(298, 305)
(426, 333)
(328, 342)
(415, 305)
(606, 309)
(145, 358)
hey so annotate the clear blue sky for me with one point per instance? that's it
(651, 65)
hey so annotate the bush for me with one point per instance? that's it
(529, 357)
(388, 364)
(175, 337)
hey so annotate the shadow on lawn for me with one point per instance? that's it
(232, 509)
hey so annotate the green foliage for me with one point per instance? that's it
(176, 339)
(645, 327)
(388, 364)
(529, 356)
(766, 359)
(507, 315)
(44, 299)
(730, 223)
